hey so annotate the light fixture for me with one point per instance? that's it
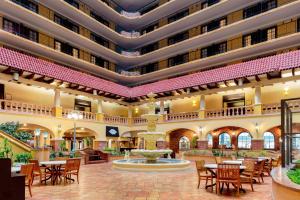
(16, 76)
(45, 135)
(286, 90)
(95, 92)
(222, 85)
(136, 110)
(231, 83)
(37, 133)
(194, 103)
(256, 128)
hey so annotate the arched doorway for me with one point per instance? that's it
(84, 138)
(184, 143)
(178, 135)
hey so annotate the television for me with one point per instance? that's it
(112, 131)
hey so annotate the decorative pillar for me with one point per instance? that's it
(130, 115)
(202, 107)
(57, 109)
(257, 101)
(100, 114)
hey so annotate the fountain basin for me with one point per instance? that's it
(162, 164)
(151, 155)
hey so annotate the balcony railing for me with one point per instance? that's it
(26, 108)
(115, 119)
(85, 115)
(139, 120)
(230, 112)
(182, 116)
(271, 108)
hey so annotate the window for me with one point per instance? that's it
(100, 40)
(259, 8)
(271, 33)
(149, 48)
(27, 4)
(214, 50)
(149, 28)
(75, 53)
(224, 139)
(73, 3)
(178, 16)
(99, 61)
(179, 59)
(20, 29)
(247, 40)
(57, 45)
(298, 25)
(149, 68)
(213, 25)
(208, 3)
(223, 22)
(204, 29)
(269, 140)
(99, 19)
(66, 23)
(149, 8)
(244, 140)
(184, 143)
(209, 140)
(296, 142)
(66, 48)
(178, 38)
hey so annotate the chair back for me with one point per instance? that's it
(259, 167)
(218, 160)
(228, 172)
(200, 166)
(27, 170)
(60, 158)
(36, 167)
(73, 164)
(249, 164)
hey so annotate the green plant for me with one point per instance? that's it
(294, 175)
(88, 141)
(52, 155)
(11, 128)
(23, 157)
(60, 154)
(6, 149)
(63, 146)
(194, 142)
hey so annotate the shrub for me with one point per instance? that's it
(11, 128)
(294, 175)
(6, 149)
(23, 157)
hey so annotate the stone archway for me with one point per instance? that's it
(84, 138)
(176, 135)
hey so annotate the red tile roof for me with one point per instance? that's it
(245, 69)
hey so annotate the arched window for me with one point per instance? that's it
(209, 140)
(224, 139)
(269, 140)
(184, 143)
(244, 140)
(296, 142)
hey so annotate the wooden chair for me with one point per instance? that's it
(233, 157)
(27, 170)
(277, 162)
(71, 168)
(228, 174)
(248, 173)
(268, 166)
(42, 172)
(259, 171)
(202, 173)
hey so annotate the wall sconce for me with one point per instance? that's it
(194, 103)
(286, 90)
(256, 128)
(136, 110)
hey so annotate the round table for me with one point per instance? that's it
(15, 169)
(55, 168)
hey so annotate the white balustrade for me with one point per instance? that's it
(25, 108)
(139, 120)
(230, 112)
(182, 116)
(271, 108)
(115, 119)
(85, 115)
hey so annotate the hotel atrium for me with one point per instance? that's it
(149, 99)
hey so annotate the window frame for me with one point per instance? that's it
(230, 140)
(244, 142)
(274, 142)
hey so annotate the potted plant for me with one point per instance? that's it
(23, 157)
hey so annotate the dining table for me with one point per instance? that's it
(234, 162)
(212, 168)
(55, 167)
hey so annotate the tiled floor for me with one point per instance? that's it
(101, 182)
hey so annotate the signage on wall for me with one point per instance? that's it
(112, 131)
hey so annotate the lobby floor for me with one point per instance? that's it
(101, 182)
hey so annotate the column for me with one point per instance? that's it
(57, 109)
(100, 114)
(202, 107)
(257, 101)
(161, 111)
(130, 115)
(57, 140)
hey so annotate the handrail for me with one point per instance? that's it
(271, 108)
(182, 116)
(26, 108)
(230, 112)
(85, 115)
(139, 120)
(115, 119)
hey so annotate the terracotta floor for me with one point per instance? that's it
(100, 182)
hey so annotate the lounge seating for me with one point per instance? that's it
(92, 156)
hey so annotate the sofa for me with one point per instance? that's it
(92, 156)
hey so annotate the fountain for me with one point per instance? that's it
(151, 160)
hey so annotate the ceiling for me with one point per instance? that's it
(133, 5)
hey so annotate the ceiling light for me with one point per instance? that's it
(287, 73)
(222, 85)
